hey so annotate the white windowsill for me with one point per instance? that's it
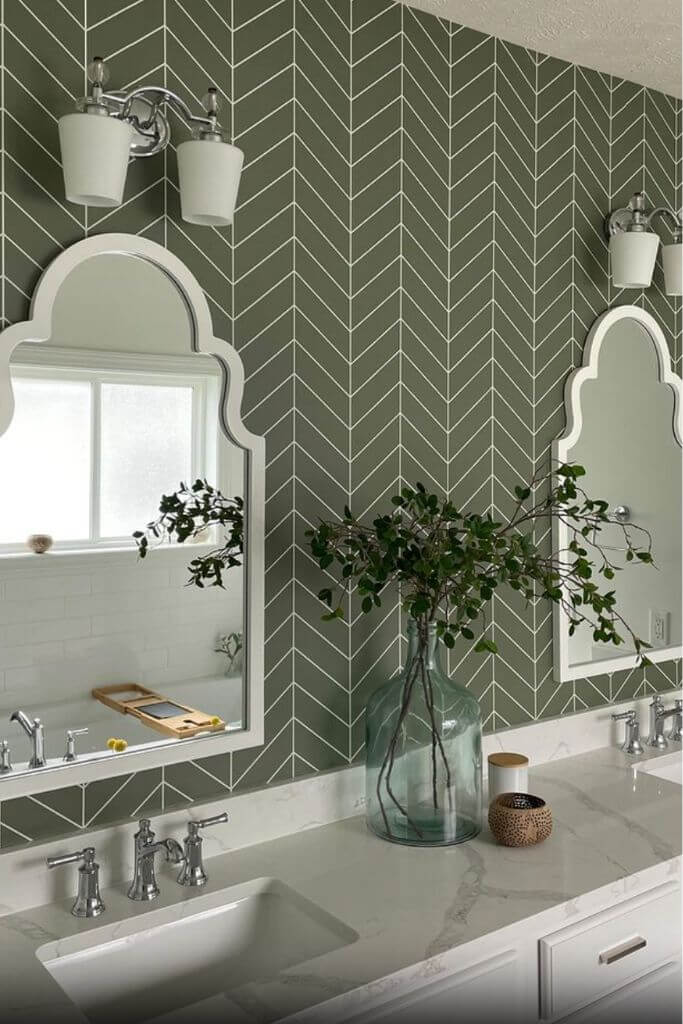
(67, 558)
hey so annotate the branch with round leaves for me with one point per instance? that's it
(187, 513)
(448, 564)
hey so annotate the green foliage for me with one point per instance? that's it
(448, 564)
(188, 512)
(230, 644)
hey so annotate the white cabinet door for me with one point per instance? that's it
(655, 999)
(487, 992)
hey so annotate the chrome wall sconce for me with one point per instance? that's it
(110, 128)
(633, 246)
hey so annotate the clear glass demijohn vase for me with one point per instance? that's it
(423, 754)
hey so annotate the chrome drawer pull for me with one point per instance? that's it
(619, 952)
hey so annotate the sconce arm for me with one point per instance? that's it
(675, 221)
(155, 96)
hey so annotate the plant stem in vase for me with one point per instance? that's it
(423, 751)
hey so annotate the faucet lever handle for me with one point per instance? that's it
(217, 819)
(88, 902)
(192, 872)
(631, 744)
(87, 855)
(71, 734)
(625, 716)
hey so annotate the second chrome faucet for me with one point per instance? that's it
(144, 885)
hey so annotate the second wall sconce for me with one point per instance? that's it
(633, 246)
(111, 127)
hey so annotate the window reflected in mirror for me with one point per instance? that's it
(112, 413)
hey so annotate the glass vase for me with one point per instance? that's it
(423, 753)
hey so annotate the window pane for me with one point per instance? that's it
(45, 461)
(146, 450)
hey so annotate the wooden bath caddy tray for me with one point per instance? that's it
(158, 712)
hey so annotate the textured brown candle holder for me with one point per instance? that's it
(518, 819)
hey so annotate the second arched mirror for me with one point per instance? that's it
(624, 427)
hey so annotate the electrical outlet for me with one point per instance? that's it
(659, 628)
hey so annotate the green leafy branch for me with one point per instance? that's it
(448, 564)
(184, 515)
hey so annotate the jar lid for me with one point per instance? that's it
(503, 760)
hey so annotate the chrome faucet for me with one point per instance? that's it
(144, 885)
(88, 902)
(192, 872)
(658, 716)
(35, 732)
(677, 724)
(631, 744)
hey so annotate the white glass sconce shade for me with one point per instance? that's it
(95, 152)
(672, 258)
(209, 176)
(633, 255)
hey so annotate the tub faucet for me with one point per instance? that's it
(35, 732)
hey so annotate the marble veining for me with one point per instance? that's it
(413, 911)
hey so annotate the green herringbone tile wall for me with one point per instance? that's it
(415, 262)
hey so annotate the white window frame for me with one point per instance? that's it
(97, 368)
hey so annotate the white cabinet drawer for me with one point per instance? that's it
(488, 991)
(655, 998)
(603, 953)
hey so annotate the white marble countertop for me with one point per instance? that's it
(408, 906)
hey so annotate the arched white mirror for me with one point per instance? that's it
(624, 426)
(119, 409)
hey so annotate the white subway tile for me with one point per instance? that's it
(15, 657)
(127, 622)
(23, 678)
(203, 635)
(45, 632)
(104, 649)
(138, 577)
(37, 586)
(32, 611)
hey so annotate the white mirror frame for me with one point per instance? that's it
(563, 670)
(38, 328)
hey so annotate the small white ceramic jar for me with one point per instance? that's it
(508, 773)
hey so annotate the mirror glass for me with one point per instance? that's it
(632, 458)
(114, 411)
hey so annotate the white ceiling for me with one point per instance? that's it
(635, 39)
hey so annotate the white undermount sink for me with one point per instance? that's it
(186, 962)
(668, 766)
